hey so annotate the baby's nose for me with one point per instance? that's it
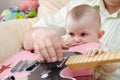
(78, 39)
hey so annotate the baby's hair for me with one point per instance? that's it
(82, 10)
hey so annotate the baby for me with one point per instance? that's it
(83, 26)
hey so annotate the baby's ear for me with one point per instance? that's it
(101, 33)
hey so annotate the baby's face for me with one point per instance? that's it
(81, 32)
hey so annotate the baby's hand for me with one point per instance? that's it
(93, 51)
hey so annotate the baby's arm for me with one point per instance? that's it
(109, 68)
(111, 75)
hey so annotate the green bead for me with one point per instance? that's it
(32, 13)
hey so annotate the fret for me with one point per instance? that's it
(112, 55)
(101, 56)
(70, 59)
(90, 58)
(117, 56)
(86, 59)
(78, 59)
(96, 57)
(106, 56)
(75, 59)
(82, 58)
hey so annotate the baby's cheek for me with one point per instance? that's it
(70, 42)
(89, 40)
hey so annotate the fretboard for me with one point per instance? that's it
(83, 62)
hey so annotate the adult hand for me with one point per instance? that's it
(48, 44)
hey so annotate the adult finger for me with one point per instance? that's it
(50, 49)
(43, 50)
(36, 50)
(58, 49)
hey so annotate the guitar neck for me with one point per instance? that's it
(78, 62)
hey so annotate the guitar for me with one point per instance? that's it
(49, 71)
(55, 71)
(52, 71)
(22, 64)
(44, 72)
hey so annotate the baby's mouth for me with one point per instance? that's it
(76, 44)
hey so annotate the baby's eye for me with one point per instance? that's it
(83, 34)
(72, 34)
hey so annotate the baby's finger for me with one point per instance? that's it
(100, 51)
(89, 51)
(94, 52)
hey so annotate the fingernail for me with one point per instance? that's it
(54, 59)
(41, 60)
